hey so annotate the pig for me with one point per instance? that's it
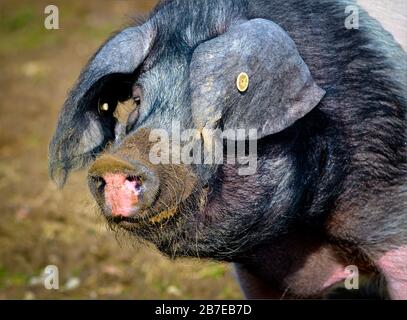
(327, 103)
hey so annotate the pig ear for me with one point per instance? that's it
(280, 87)
(81, 130)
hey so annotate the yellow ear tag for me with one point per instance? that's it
(242, 82)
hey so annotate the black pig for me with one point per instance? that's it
(329, 107)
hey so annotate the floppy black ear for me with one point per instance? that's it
(81, 131)
(281, 89)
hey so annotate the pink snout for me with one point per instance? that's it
(123, 188)
(121, 193)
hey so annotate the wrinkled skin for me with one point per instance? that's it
(329, 107)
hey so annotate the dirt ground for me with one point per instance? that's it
(41, 225)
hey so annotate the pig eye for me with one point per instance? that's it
(106, 107)
(137, 101)
(137, 95)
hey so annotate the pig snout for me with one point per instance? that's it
(121, 193)
(123, 188)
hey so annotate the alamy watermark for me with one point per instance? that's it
(352, 278)
(206, 146)
(51, 277)
(352, 20)
(51, 21)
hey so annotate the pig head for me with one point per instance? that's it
(182, 208)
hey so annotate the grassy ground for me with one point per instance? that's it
(41, 225)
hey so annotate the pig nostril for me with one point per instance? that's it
(136, 179)
(100, 184)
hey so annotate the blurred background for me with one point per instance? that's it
(41, 225)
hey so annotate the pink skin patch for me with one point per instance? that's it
(393, 264)
(121, 194)
(338, 274)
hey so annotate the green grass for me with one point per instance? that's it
(3, 276)
(18, 20)
(214, 271)
(22, 28)
(15, 279)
